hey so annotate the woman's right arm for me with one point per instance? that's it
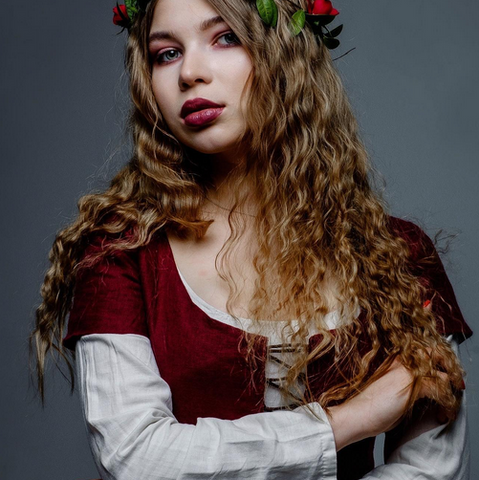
(134, 435)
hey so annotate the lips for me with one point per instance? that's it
(197, 104)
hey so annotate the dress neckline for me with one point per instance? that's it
(270, 329)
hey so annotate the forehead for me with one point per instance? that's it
(181, 14)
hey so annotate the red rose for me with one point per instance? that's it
(322, 7)
(120, 15)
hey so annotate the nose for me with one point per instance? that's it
(195, 68)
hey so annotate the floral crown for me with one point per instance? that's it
(320, 14)
(125, 15)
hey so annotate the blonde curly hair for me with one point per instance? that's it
(318, 217)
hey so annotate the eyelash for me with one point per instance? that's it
(169, 50)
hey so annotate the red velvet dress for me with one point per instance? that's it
(198, 356)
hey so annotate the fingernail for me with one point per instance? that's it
(463, 385)
(426, 303)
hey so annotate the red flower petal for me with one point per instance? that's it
(120, 15)
(322, 7)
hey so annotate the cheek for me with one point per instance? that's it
(162, 92)
(243, 69)
(244, 83)
(243, 78)
(234, 71)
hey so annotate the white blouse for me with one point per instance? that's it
(134, 434)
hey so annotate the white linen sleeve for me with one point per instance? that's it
(441, 452)
(134, 435)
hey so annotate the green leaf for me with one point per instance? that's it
(330, 42)
(297, 22)
(268, 11)
(325, 19)
(275, 15)
(336, 31)
(131, 8)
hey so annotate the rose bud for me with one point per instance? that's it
(120, 15)
(323, 7)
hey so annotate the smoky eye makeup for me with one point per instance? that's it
(167, 55)
(230, 38)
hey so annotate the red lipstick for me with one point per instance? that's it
(200, 111)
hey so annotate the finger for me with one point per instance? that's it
(430, 387)
(438, 361)
(440, 365)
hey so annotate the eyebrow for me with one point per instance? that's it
(204, 25)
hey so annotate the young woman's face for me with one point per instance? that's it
(199, 71)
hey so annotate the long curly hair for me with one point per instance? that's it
(318, 218)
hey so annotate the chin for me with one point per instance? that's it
(213, 144)
(214, 149)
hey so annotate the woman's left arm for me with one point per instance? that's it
(428, 450)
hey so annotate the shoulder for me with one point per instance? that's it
(423, 258)
(104, 248)
(417, 240)
(114, 279)
(404, 227)
(422, 251)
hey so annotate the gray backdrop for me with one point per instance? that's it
(412, 81)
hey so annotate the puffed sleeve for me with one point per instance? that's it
(108, 295)
(430, 271)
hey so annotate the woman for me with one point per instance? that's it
(242, 306)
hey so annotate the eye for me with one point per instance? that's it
(167, 56)
(229, 38)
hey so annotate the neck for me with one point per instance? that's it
(217, 168)
(223, 176)
(228, 191)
